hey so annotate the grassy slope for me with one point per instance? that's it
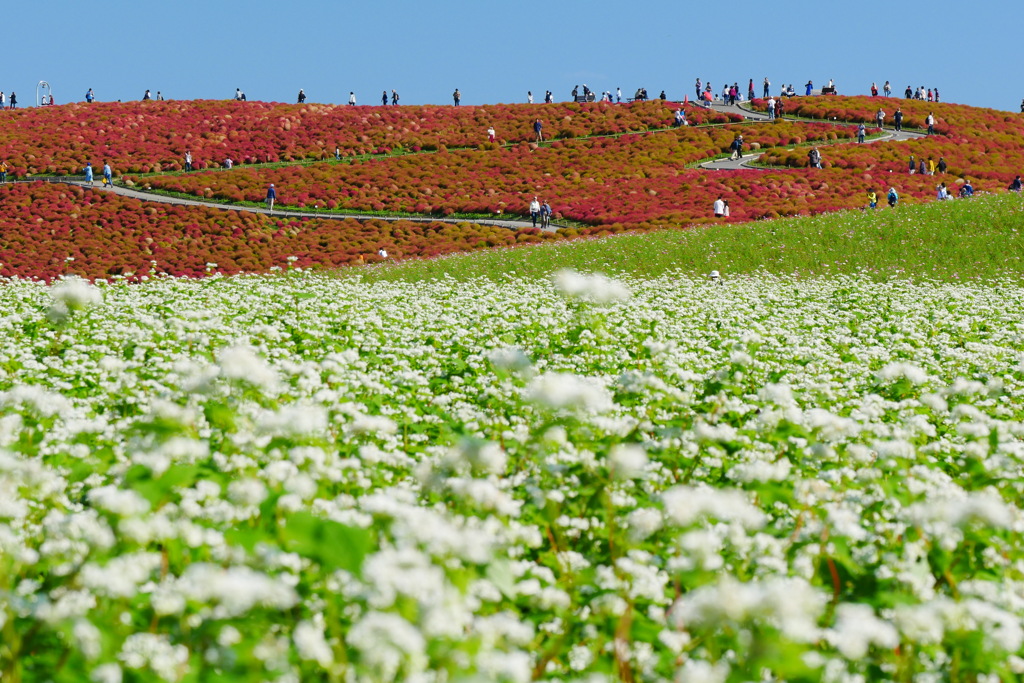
(977, 239)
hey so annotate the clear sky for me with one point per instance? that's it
(497, 51)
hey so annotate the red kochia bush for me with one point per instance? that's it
(154, 136)
(49, 230)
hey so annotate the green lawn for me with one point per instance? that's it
(976, 239)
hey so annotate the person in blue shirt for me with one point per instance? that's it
(108, 175)
(88, 173)
(967, 190)
(893, 197)
(538, 130)
(89, 96)
(271, 196)
(1015, 186)
(810, 87)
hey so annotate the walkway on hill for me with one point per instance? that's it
(746, 161)
(293, 213)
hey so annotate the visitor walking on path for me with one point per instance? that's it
(457, 96)
(3, 171)
(146, 97)
(921, 167)
(394, 98)
(271, 196)
(545, 214)
(538, 130)
(913, 164)
(942, 165)
(188, 160)
(887, 89)
(893, 197)
(872, 199)
(810, 87)
(302, 96)
(108, 175)
(861, 130)
(534, 211)
(771, 108)
(3, 101)
(931, 123)
(88, 173)
(529, 97)
(879, 117)
(898, 118)
(737, 148)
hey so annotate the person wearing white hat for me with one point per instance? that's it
(715, 277)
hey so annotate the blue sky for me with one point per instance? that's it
(497, 51)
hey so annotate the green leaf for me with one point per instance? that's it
(332, 544)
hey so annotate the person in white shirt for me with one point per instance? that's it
(228, 163)
(529, 97)
(771, 108)
(491, 134)
(719, 208)
(382, 252)
(351, 97)
(535, 211)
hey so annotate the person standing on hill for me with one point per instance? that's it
(89, 96)
(188, 160)
(538, 130)
(874, 90)
(88, 173)
(767, 84)
(921, 168)
(271, 197)
(771, 108)
(887, 89)
(159, 96)
(146, 97)
(457, 96)
(898, 118)
(698, 95)
(893, 197)
(872, 199)
(3, 171)
(861, 131)
(942, 165)
(394, 98)
(529, 97)
(351, 98)
(14, 100)
(913, 164)
(814, 158)
(931, 166)
(549, 97)
(719, 208)
(108, 175)
(384, 98)
(931, 123)
(3, 101)
(750, 90)
(879, 117)
(810, 87)
(908, 93)
(534, 211)
(618, 95)
(302, 96)
(545, 214)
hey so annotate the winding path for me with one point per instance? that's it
(743, 162)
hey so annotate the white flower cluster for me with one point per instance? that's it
(482, 481)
